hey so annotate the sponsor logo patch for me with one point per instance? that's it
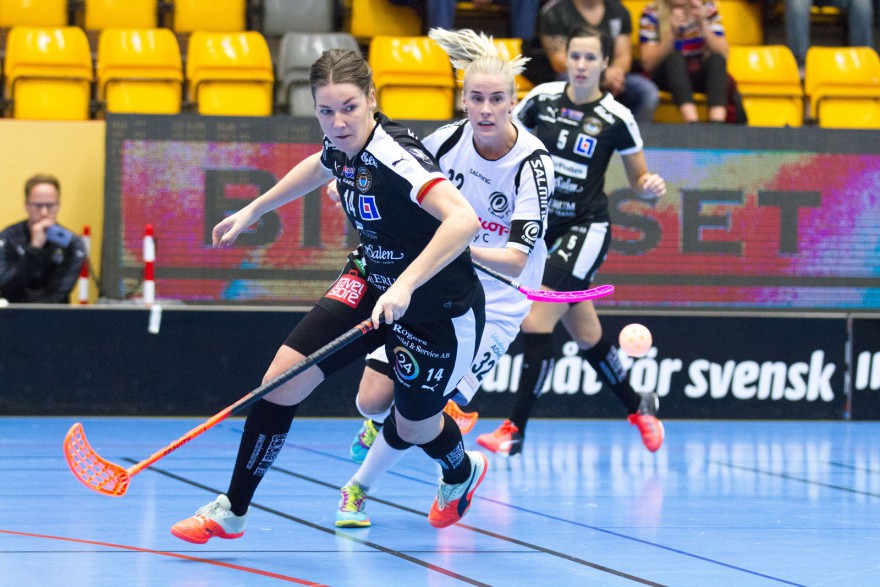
(576, 115)
(348, 289)
(585, 145)
(498, 203)
(405, 366)
(368, 208)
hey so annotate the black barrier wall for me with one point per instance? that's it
(865, 367)
(104, 361)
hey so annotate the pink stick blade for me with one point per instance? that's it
(568, 296)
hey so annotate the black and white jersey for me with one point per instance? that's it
(380, 189)
(581, 140)
(510, 196)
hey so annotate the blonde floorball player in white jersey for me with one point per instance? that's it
(507, 176)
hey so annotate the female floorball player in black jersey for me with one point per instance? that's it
(415, 273)
(581, 128)
(506, 174)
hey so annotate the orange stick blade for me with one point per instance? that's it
(465, 420)
(94, 472)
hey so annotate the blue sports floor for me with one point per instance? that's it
(721, 504)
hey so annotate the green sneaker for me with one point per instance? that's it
(352, 503)
(363, 441)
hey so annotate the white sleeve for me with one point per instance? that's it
(528, 223)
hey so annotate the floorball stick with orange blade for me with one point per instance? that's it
(99, 474)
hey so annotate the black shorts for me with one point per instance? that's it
(428, 358)
(574, 258)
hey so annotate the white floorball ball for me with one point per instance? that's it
(635, 340)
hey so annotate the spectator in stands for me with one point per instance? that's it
(559, 17)
(39, 259)
(860, 24)
(523, 15)
(684, 49)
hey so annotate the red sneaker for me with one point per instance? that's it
(454, 499)
(506, 441)
(650, 427)
(214, 520)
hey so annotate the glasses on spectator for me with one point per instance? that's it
(49, 207)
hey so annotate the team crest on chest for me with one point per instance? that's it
(364, 180)
(592, 126)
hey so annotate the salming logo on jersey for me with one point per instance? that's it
(542, 185)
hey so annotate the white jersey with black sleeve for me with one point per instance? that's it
(381, 190)
(510, 197)
(581, 139)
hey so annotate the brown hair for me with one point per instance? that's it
(38, 179)
(341, 66)
(587, 32)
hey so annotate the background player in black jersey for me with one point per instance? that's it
(581, 128)
(415, 273)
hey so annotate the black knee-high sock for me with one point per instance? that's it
(265, 430)
(536, 367)
(448, 450)
(389, 431)
(603, 358)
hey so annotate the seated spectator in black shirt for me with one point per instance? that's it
(40, 260)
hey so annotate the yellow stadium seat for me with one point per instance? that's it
(369, 18)
(209, 15)
(507, 50)
(635, 8)
(413, 78)
(667, 111)
(125, 14)
(295, 58)
(44, 13)
(843, 86)
(48, 73)
(139, 71)
(768, 80)
(230, 73)
(743, 21)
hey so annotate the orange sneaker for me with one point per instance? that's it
(454, 499)
(214, 520)
(465, 420)
(506, 441)
(650, 427)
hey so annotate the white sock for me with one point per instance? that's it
(380, 458)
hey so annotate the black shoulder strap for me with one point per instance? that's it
(451, 141)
